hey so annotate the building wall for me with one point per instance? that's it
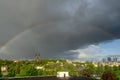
(62, 74)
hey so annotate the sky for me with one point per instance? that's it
(67, 29)
(111, 48)
(97, 52)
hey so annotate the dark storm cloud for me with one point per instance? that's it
(53, 27)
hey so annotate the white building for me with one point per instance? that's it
(4, 70)
(40, 67)
(63, 74)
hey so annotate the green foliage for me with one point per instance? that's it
(115, 68)
(51, 67)
(91, 68)
(0, 73)
(108, 68)
(40, 72)
(117, 74)
(99, 70)
(27, 70)
(31, 71)
(11, 73)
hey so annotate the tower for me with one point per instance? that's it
(37, 57)
(109, 59)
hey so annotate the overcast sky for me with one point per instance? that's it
(71, 29)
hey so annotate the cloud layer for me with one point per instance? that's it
(91, 52)
(52, 27)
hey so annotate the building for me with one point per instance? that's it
(37, 57)
(16, 61)
(115, 59)
(109, 59)
(4, 70)
(39, 67)
(63, 74)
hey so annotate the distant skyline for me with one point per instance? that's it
(69, 29)
(98, 51)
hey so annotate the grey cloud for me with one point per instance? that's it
(52, 27)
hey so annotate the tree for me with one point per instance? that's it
(90, 68)
(27, 70)
(107, 68)
(31, 71)
(11, 71)
(108, 76)
(40, 72)
(99, 70)
(0, 72)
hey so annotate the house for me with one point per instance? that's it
(40, 67)
(4, 70)
(63, 74)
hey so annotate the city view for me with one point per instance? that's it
(55, 67)
(59, 40)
